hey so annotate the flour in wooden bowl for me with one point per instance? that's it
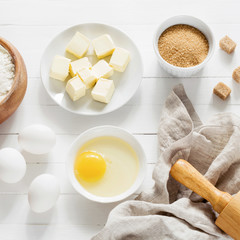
(7, 72)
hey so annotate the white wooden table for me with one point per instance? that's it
(30, 25)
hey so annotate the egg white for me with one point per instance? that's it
(122, 166)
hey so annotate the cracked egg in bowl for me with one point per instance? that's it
(106, 164)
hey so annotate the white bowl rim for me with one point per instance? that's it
(96, 113)
(210, 53)
(135, 186)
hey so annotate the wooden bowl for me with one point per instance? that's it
(15, 96)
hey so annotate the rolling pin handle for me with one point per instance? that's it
(185, 173)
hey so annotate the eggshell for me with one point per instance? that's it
(43, 193)
(37, 139)
(12, 165)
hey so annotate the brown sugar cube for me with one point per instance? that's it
(227, 44)
(236, 74)
(222, 90)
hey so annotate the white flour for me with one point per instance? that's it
(7, 72)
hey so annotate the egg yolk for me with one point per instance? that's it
(90, 166)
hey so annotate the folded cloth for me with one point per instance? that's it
(169, 210)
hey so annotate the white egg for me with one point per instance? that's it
(37, 139)
(43, 193)
(12, 165)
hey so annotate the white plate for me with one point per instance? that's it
(126, 83)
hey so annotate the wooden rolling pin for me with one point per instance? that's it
(227, 206)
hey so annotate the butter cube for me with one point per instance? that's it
(60, 68)
(119, 59)
(75, 88)
(102, 69)
(103, 46)
(78, 45)
(78, 65)
(103, 90)
(88, 77)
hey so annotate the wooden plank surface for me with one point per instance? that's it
(221, 65)
(46, 232)
(30, 25)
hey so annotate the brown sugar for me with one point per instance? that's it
(183, 46)
(222, 90)
(236, 74)
(227, 44)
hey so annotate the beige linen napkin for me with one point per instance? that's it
(169, 210)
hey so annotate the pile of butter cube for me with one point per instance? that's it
(84, 75)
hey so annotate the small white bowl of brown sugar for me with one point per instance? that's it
(183, 45)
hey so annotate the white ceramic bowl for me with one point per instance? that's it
(126, 83)
(98, 132)
(188, 20)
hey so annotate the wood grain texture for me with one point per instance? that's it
(30, 27)
(63, 141)
(185, 173)
(14, 97)
(123, 12)
(227, 206)
(229, 219)
(58, 170)
(48, 231)
(220, 65)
